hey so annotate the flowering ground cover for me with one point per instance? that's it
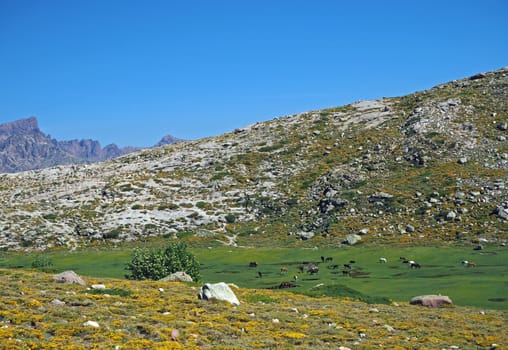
(38, 313)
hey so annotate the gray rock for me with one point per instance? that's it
(451, 215)
(410, 228)
(462, 160)
(220, 291)
(352, 239)
(363, 231)
(69, 277)
(503, 126)
(305, 235)
(179, 276)
(431, 300)
(501, 212)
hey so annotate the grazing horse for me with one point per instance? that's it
(286, 285)
(346, 273)
(471, 264)
(329, 259)
(347, 266)
(334, 267)
(352, 261)
(253, 264)
(260, 274)
(283, 270)
(382, 260)
(322, 259)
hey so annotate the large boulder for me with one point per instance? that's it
(179, 276)
(219, 291)
(69, 277)
(431, 300)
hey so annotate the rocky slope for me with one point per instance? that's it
(23, 146)
(427, 167)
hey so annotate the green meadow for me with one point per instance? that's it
(441, 272)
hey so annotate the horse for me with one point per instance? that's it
(382, 260)
(283, 270)
(253, 264)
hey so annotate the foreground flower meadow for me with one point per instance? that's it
(38, 313)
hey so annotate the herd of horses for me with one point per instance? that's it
(312, 268)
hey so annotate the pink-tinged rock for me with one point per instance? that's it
(175, 335)
(431, 300)
(69, 277)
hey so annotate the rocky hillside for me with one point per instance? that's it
(23, 146)
(427, 167)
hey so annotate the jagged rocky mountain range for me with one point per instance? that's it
(23, 146)
(426, 168)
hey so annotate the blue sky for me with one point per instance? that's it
(129, 72)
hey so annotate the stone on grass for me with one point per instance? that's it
(220, 291)
(179, 276)
(69, 277)
(431, 300)
(91, 324)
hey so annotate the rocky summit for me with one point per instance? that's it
(424, 168)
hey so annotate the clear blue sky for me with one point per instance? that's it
(129, 72)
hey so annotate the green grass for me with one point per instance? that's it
(441, 272)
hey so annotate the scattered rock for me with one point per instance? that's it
(69, 277)
(389, 328)
(451, 215)
(305, 235)
(179, 276)
(175, 335)
(462, 160)
(352, 239)
(57, 302)
(98, 286)
(363, 231)
(220, 291)
(91, 324)
(410, 228)
(501, 212)
(431, 300)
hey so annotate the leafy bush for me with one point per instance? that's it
(158, 263)
(230, 218)
(113, 234)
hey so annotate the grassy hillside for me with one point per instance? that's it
(141, 315)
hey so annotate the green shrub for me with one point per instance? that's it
(230, 218)
(158, 263)
(112, 234)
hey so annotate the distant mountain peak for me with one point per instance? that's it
(23, 146)
(167, 140)
(20, 126)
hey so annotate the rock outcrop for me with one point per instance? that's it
(220, 291)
